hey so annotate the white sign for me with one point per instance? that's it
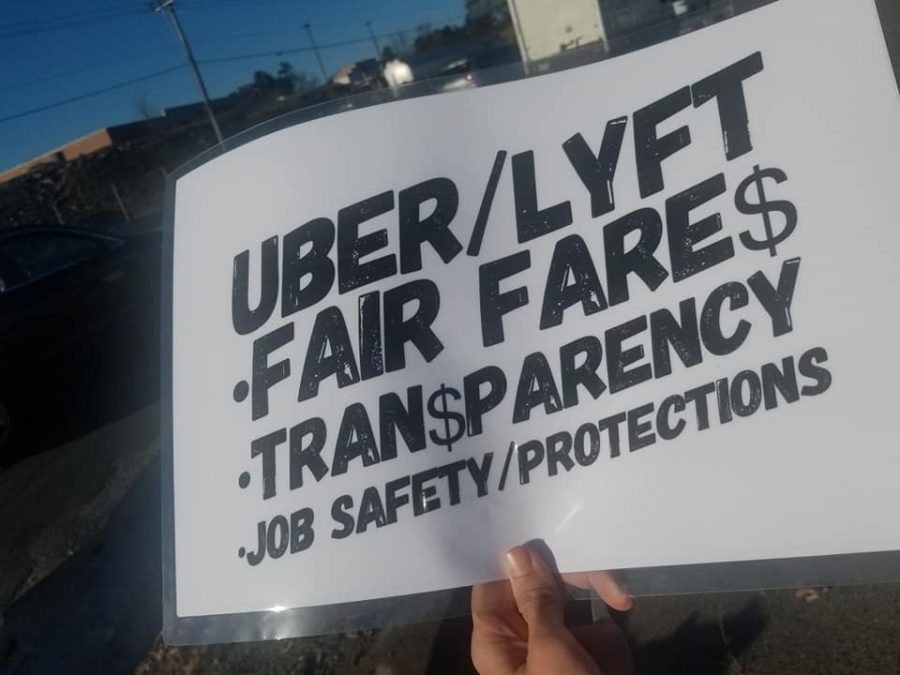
(644, 310)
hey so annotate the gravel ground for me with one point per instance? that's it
(835, 632)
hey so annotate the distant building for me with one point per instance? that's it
(54, 157)
(195, 112)
(86, 145)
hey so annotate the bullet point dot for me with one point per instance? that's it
(242, 552)
(244, 480)
(241, 389)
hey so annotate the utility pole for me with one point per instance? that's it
(374, 40)
(312, 41)
(168, 6)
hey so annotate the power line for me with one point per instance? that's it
(216, 4)
(54, 25)
(279, 52)
(89, 94)
(89, 18)
(228, 37)
(297, 50)
(76, 19)
(193, 5)
(57, 18)
(23, 84)
(210, 61)
(224, 37)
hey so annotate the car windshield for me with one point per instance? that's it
(104, 101)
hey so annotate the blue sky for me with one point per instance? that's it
(51, 50)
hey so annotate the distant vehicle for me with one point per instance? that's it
(464, 71)
(396, 73)
(372, 74)
(360, 75)
(79, 332)
(459, 75)
(680, 7)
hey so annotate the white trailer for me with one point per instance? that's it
(547, 27)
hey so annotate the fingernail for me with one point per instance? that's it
(518, 561)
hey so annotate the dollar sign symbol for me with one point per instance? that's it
(444, 414)
(766, 208)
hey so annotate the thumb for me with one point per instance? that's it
(537, 595)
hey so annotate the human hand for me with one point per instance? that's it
(519, 628)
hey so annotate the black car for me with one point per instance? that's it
(79, 332)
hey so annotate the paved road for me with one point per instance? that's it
(91, 564)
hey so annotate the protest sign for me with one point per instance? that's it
(643, 310)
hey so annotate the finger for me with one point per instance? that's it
(495, 596)
(494, 610)
(497, 629)
(538, 598)
(611, 590)
(606, 585)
